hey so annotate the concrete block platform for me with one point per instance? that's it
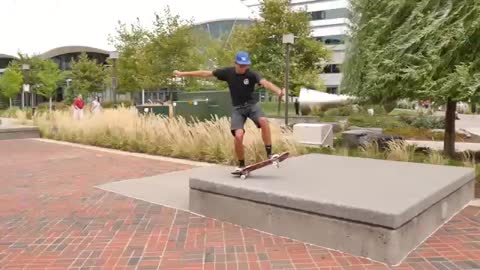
(377, 209)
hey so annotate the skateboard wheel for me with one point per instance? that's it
(243, 177)
(276, 164)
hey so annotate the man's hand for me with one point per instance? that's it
(282, 93)
(177, 73)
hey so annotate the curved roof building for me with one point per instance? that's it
(222, 27)
(64, 55)
(5, 59)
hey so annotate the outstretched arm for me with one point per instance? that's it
(198, 73)
(272, 87)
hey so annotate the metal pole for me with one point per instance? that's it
(114, 83)
(287, 70)
(31, 93)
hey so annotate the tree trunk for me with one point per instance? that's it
(10, 99)
(449, 139)
(50, 105)
(389, 106)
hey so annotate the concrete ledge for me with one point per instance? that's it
(18, 132)
(377, 209)
(376, 243)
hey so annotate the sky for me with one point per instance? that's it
(36, 26)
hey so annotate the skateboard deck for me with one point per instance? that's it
(250, 168)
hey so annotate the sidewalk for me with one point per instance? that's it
(438, 145)
(54, 216)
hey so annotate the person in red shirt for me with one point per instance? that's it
(78, 105)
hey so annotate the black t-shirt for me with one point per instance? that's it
(241, 85)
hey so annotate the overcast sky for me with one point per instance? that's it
(35, 26)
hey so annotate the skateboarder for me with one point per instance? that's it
(241, 82)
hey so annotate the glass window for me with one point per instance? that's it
(329, 14)
(332, 68)
(318, 15)
(332, 90)
(332, 40)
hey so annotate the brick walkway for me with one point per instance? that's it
(52, 217)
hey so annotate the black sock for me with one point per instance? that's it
(268, 148)
(241, 163)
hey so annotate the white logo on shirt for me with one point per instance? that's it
(246, 81)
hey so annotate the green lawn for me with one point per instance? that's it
(271, 108)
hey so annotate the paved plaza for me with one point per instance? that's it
(53, 215)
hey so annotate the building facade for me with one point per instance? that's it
(329, 24)
(62, 56)
(222, 27)
(5, 59)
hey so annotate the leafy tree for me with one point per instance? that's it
(11, 82)
(131, 69)
(426, 49)
(43, 76)
(149, 57)
(263, 40)
(87, 75)
(50, 77)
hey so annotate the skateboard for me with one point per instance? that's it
(248, 169)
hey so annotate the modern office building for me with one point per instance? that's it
(329, 23)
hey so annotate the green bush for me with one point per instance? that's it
(340, 111)
(377, 109)
(9, 113)
(377, 121)
(55, 106)
(109, 104)
(424, 121)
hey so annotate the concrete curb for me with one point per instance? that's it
(139, 155)
(475, 203)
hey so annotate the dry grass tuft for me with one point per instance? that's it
(125, 129)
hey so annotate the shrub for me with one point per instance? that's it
(10, 113)
(126, 129)
(378, 121)
(55, 106)
(424, 121)
(122, 103)
(346, 110)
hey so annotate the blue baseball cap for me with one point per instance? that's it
(242, 58)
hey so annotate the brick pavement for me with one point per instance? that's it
(52, 217)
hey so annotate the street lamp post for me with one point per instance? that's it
(67, 91)
(26, 85)
(114, 57)
(288, 40)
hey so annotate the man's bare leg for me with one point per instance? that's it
(266, 135)
(239, 150)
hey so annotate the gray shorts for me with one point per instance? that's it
(242, 112)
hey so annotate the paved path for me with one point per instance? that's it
(52, 216)
(438, 145)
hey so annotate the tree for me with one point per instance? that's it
(87, 75)
(130, 43)
(50, 77)
(263, 39)
(11, 82)
(424, 49)
(149, 57)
